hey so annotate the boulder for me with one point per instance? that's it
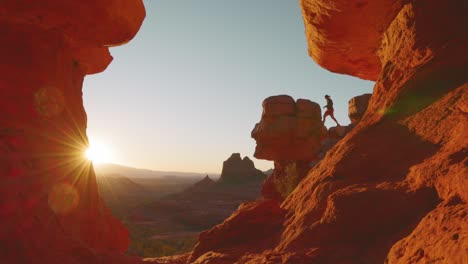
(288, 130)
(357, 106)
(280, 105)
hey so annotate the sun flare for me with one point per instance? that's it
(98, 153)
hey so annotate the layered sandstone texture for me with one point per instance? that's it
(394, 190)
(50, 210)
(289, 133)
(288, 130)
(357, 106)
(343, 35)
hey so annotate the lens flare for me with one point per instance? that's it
(98, 153)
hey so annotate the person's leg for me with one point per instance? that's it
(324, 116)
(333, 117)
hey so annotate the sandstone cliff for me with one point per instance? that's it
(394, 189)
(50, 210)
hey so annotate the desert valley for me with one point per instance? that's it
(165, 211)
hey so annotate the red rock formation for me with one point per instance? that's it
(49, 204)
(395, 188)
(420, 65)
(254, 223)
(357, 106)
(288, 130)
(238, 170)
(288, 133)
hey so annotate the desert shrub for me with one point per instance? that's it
(143, 244)
(288, 182)
(148, 247)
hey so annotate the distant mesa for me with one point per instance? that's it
(238, 170)
(207, 202)
(268, 172)
(203, 185)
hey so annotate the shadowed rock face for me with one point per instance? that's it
(237, 170)
(84, 28)
(343, 35)
(357, 106)
(50, 210)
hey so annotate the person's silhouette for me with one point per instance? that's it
(330, 110)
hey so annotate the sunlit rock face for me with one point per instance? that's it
(50, 210)
(394, 189)
(289, 133)
(404, 147)
(254, 223)
(288, 130)
(357, 106)
(343, 35)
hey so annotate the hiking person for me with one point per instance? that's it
(330, 110)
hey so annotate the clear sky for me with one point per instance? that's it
(187, 91)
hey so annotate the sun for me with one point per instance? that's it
(98, 153)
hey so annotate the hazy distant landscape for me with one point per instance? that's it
(124, 187)
(165, 211)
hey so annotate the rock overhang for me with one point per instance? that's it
(344, 35)
(88, 27)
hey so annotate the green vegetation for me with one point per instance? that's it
(143, 244)
(161, 247)
(285, 185)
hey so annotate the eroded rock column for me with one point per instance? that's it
(290, 134)
(49, 204)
